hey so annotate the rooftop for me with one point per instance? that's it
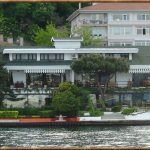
(111, 7)
(118, 7)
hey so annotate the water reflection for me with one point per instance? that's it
(123, 136)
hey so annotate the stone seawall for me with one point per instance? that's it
(81, 123)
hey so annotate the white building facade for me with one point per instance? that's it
(117, 24)
(55, 62)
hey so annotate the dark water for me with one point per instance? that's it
(120, 136)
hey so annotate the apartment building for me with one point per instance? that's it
(116, 24)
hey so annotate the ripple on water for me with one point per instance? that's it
(123, 136)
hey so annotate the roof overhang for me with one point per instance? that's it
(75, 39)
(36, 50)
(70, 51)
(39, 69)
(108, 50)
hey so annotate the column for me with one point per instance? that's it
(61, 76)
(10, 57)
(130, 56)
(72, 76)
(38, 57)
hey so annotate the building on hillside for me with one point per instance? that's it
(116, 24)
(51, 65)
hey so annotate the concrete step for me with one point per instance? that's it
(113, 116)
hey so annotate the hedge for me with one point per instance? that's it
(128, 111)
(47, 114)
(116, 108)
(97, 113)
(9, 114)
(81, 113)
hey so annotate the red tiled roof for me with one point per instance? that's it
(118, 7)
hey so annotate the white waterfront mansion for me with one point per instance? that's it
(117, 24)
(52, 64)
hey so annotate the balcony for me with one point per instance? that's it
(93, 22)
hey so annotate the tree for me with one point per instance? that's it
(28, 79)
(65, 103)
(3, 81)
(86, 34)
(43, 37)
(80, 101)
(100, 67)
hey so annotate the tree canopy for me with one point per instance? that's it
(86, 33)
(43, 37)
(65, 103)
(23, 19)
(66, 100)
(69, 99)
(3, 81)
(101, 67)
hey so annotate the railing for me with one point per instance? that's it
(94, 22)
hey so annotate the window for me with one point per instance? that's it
(125, 17)
(121, 31)
(128, 30)
(109, 55)
(143, 31)
(121, 17)
(24, 56)
(16, 56)
(139, 31)
(124, 56)
(117, 17)
(93, 17)
(59, 56)
(143, 17)
(44, 56)
(32, 57)
(116, 31)
(120, 44)
(142, 43)
(52, 56)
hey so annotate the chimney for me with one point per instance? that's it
(79, 5)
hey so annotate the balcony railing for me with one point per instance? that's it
(93, 22)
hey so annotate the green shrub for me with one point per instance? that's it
(65, 103)
(29, 111)
(47, 114)
(63, 86)
(97, 113)
(116, 108)
(8, 114)
(128, 111)
(81, 113)
(23, 116)
(90, 105)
